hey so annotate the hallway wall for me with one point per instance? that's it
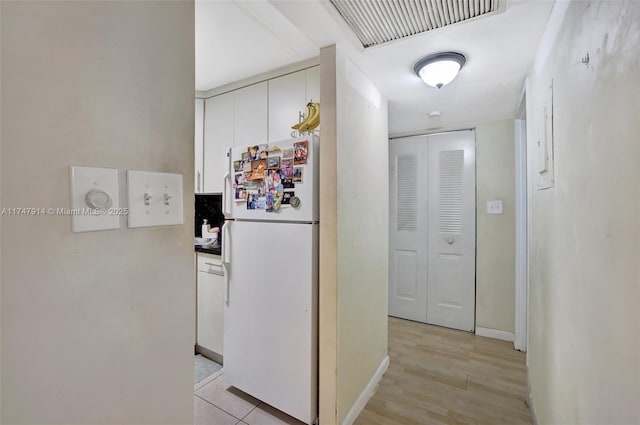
(495, 233)
(354, 236)
(97, 328)
(585, 261)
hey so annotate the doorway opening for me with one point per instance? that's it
(432, 231)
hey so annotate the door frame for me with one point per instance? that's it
(523, 231)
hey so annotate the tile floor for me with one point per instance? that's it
(204, 368)
(218, 403)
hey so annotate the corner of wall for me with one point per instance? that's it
(328, 292)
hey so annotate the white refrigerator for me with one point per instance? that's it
(270, 253)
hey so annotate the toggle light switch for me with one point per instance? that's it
(149, 194)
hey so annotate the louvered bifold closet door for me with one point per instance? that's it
(451, 239)
(408, 228)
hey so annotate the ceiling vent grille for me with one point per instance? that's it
(379, 21)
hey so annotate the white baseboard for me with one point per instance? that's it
(532, 411)
(495, 333)
(369, 390)
(532, 408)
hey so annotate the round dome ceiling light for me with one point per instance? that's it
(440, 69)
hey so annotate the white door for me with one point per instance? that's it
(408, 233)
(432, 252)
(452, 229)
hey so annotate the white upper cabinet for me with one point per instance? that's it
(313, 84)
(218, 137)
(250, 115)
(287, 99)
(198, 141)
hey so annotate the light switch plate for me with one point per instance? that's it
(102, 181)
(494, 207)
(155, 199)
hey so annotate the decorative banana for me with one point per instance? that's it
(312, 119)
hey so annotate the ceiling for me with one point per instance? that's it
(236, 39)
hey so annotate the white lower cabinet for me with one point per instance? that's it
(210, 295)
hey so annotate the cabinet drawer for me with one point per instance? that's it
(210, 264)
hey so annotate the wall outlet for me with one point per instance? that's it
(494, 207)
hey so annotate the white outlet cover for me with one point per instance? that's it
(156, 211)
(494, 207)
(84, 218)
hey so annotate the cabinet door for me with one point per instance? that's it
(210, 311)
(286, 101)
(250, 115)
(218, 137)
(313, 84)
(198, 141)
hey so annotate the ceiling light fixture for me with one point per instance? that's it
(440, 69)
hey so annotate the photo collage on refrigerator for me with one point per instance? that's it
(266, 176)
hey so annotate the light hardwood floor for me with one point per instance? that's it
(443, 376)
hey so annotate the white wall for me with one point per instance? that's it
(495, 233)
(96, 327)
(584, 336)
(354, 233)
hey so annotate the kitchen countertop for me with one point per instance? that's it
(213, 248)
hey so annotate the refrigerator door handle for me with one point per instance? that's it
(227, 183)
(226, 242)
(226, 283)
(225, 202)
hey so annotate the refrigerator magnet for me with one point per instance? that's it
(258, 169)
(295, 202)
(239, 179)
(286, 197)
(241, 194)
(252, 200)
(287, 153)
(297, 174)
(287, 183)
(253, 152)
(261, 203)
(273, 163)
(301, 151)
